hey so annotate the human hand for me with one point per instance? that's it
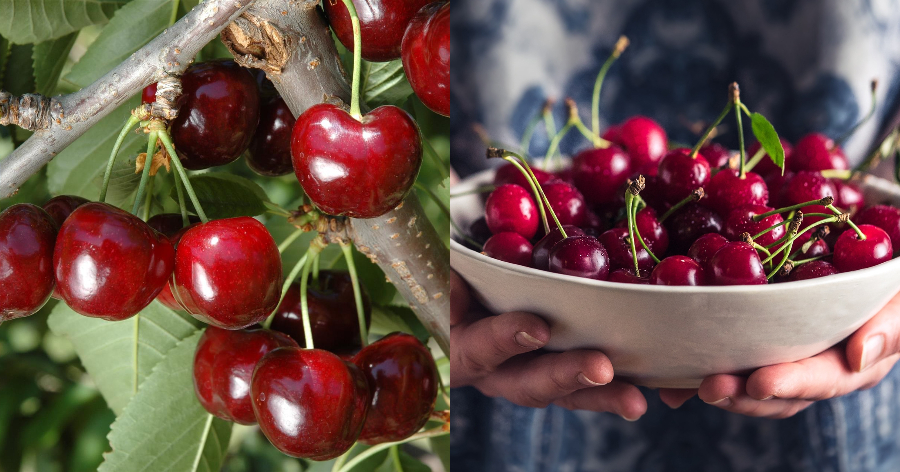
(782, 390)
(496, 355)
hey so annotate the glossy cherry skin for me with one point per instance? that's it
(600, 173)
(425, 51)
(509, 247)
(766, 166)
(736, 263)
(62, 206)
(510, 174)
(680, 174)
(811, 270)
(716, 154)
(727, 191)
(228, 272)
(361, 169)
(148, 95)
(848, 196)
(170, 224)
(705, 247)
(540, 254)
(852, 253)
(885, 217)
(309, 403)
(580, 256)
(815, 151)
(269, 153)
(108, 263)
(677, 270)
(620, 256)
(652, 231)
(627, 276)
(645, 141)
(740, 220)
(510, 208)
(689, 223)
(223, 368)
(403, 379)
(332, 313)
(805, 186)
(816, 249)
(382, 24)
(27, 238)
(567, 202)
(218, 115)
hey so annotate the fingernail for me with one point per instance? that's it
(630, 419)
(582, 379)
(526, 340)
(872, 350)
(722, 403)
(768, 398)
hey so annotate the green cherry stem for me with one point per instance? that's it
(826, 201)
(535, 186)
(833, 219)
(712, 127)
(637, 231)
(357, 293)
(304, 298)
(289, 240)
(167, 143)
(179, 190)
(811, 259)
(501, 153)
(859, 233)
(620, 46)
(549, 121)
(736, 100)
(129, 125)
(292, 276)
(756, 158)
(395, 457)
(525, 143)
(554, 144)
(145, 175)
(362, 456)
(149, 199)
(591, 136)
(784, 259)
(696, 195)
(357, 60)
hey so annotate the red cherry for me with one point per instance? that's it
(613, 134)
(766, 166)
(619, 250)
(270, 149)
(566, 175)
(677, 270)
(740, 220)
(727, 191)
(816, 249)
(626, 276)
(309, 403)
(736, 263)
(208, 265)
(425, 51)
(805, 186)
(169, 224)
(27, 238)
(716, 154)
(580, 256)
(705, 247)
(356, 168)
(108, 263)
(403, 379)
(600, 173)
(567, 202)
(510, 208)
(689, 223)
(776, 182)
(852, 253)
(811, 270)
(62, 206)
(885, 217)
(540, 254)
(652, 231)
(332, 313)
(509, 247)
(645, 141)
(148, 95)
(381, 23)
(218, 115)
(815, 152)
(223, 368)
(680, 174)
(847, 196)
(653, 194)
(510, 174)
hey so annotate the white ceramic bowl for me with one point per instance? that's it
(662, 336)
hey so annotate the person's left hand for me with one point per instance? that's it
(782, 390)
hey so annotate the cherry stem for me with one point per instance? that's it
(629, 204)
(776, 225)
(292, 276)
(837, 174)
(357, 293)
(304, 298)
(362, 456)
(549, 121)
(760, 154)
(620, 46)
(145, 176)
(790, 238)
(874, 98)
(575, 119)
(167, 142)
(637, 230)
(503, 154)
(811, 259)
(395, 456)
(535, 185)
(289, 240)
(525, 143)
(696, 195)
(784, 259)
(475, 191)
(179, 189)
(859, 233)
(357, 60)
(826, 201)
(554, 144)
(736, 99)
(129, 124)
(709, 130)
(149, 199)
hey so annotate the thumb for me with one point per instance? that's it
(877, 339)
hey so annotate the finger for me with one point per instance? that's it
(536, 381)
(480, 347)
(877, 339)
(675, 397)
(728, 392)
(460, 300)
(616, 397)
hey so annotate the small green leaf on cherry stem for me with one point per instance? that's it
(768, 138)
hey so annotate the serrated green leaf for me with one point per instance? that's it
(19, 77)
(119, 355)
(49, 59)
(767, 136)
(226, 195)
(35, 21)
(133, 26)
(165, 428)
(384, 83)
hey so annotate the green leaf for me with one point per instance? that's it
(35, 21)
(119, 355)
(441, 447)
(19, 76)
(4, 54)
(49, 59)
(133, 26)
(226, 195)
(387, 319)
(408, 463)
(768, 138)
(165, 428)
(123, 182)
(384, 83)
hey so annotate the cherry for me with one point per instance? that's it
(705, 247)
(852, 253)
(218, 115)
(652, 231)
(403, 379)
(580, 256)
(805, 186)
(309, 403)
(332, 313)
(736, 263)
(816, 249)
(108, 263)
(62, 206)
(677, 270)
(727, 191)
(479, 231)
(680, 174)
(27, 238)
(270, 149)
(223, 368)
(619, 250)
(848, 196)
(510, 208)
(510, 174)
(766, 166)
(776, 182)
(613, 134)
(425, 51)
(148, 95)
(716, 154)
(566, 175)
(381, 23)
(361, 169)
(600, 173)
(653, 195)
(627, 276)
(689, 223)
(645, 141)
(811, 270)
(540, 255)
(169, 224)
(885, 217)
(567, 202)
(594, 224)
(228, 272)
(740, 220)
(815, 151)
(509, 247)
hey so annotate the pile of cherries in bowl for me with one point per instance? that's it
(638, 212)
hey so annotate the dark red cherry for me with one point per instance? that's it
(652, 231)
(619, 249)
(811, 270)
(510, 208)
(108, 263)
(677, 270)
(716, 154)
(270, 149)
(740, 220)
(705, 247)
(27, 238)
(680, 174)
(381, 23)
(332, 312)
(613, 134)
(848, 196)
(62, 206)
(309, 403)
(816, 249)
(218, 115)
(169, 224)
(776, 182)
(148, 95)
(425, 51)
(627, 276)
(509, 247)
(852, 253)
(223, 368)
(653, 194)
(600, 173)
(403, 379)
(885, 217)
(567, 202)
(736, 263)
(815, 152)
(361, 169)
(540, 254)
(228, 272)
(727, 191)
(805, 186)
(645, 142)
(594, 224)
(566, 175)
(689, 223)
(510, 174)
(580, 256)
(766, 166)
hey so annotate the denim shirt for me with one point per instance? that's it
(804, 64)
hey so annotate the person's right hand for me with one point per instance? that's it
(495, 354)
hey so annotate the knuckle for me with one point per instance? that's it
(472, 364)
